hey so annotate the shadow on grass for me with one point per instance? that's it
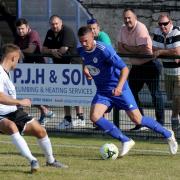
(18, 154)
(146, 155)
(13, 168)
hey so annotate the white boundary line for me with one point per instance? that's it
(96, 147)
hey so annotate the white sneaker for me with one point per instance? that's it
(64, 124)
(83, 123)
(126, 146)
(144, 129)
(173, 145)
(50, 114)
(79, 123)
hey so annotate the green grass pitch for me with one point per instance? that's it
(148, 160)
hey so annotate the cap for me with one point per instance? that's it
(91, 21)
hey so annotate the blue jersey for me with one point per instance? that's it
(104, 66)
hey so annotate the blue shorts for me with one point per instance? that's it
(125, 101)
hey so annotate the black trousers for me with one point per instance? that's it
(149, 74)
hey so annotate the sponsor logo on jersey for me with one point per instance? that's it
(94, 71)
(95, 60)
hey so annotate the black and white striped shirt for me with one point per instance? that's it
(171, 40)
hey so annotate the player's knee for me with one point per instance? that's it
(136, 118)
(93, 117)
(41, 133)
(36, 130)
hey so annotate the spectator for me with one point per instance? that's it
(98, 34)
(110, 74)
(8, 17)
(166, 41)
(134, 38)
(15, 121)
(60, 40)
(29, 42)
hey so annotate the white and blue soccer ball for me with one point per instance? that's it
(109, 151)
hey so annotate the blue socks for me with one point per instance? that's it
(155, 126)
(116, 133)
(111, 129)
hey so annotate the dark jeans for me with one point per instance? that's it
(149, 74)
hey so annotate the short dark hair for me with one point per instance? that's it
(164, 14)
(21, 21)
(84, 30)
(129, 9)
(54, 16)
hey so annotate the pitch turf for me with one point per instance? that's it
(148, 160)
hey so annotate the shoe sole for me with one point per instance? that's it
(139, 130)
(58, 128)
(64, 127)
(78, 125)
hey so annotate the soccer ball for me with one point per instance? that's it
(109, 151)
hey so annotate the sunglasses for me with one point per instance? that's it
(164, 23)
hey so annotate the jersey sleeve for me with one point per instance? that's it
(176, 38)
(119, 39)
(113, 59)
(142, 36)
(34, 38)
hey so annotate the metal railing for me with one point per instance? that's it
(119, 117)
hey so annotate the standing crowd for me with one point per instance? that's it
(117, 87)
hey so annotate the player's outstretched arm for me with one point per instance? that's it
(6, 100)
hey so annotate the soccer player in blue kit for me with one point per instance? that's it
(110, 76)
